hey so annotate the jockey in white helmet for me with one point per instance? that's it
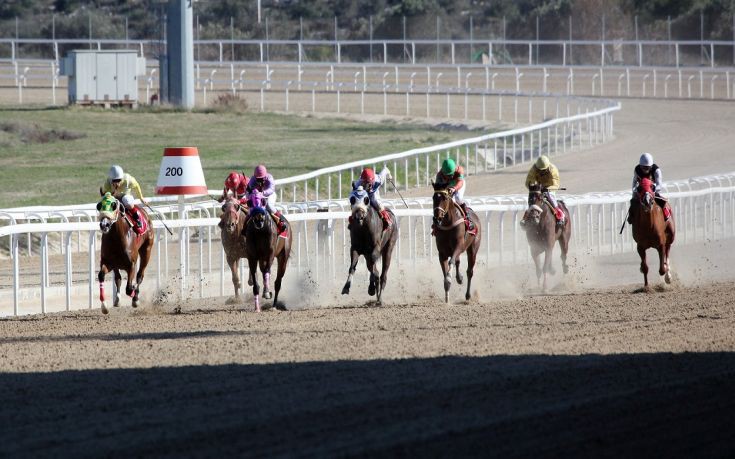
(124, 187)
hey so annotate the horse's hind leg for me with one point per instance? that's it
(387, 252)
(471, 258)
(145, 257)
(101, 277)
(265, 268)
(564, 246)
(667, 277)
(282, 263)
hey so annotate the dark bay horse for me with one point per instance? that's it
(231, 224)
(452, 238)
(368, 239)
(650, 230)
(263, 244)
(121, 249)
(542, 233)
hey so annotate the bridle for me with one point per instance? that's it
(442, 202)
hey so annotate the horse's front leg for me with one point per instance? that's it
(253, 266)
(535, 254)
(265, 268)
(644, 266)
(130, 284)
(661, 261)
(118, 283)
(446, 272)
(101, 277)
(353, 265)
(375, 274)
(232, 263)
(373, 279)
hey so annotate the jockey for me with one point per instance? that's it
(123, 186)
(372, 183)
(235, 183)
(547, 175)
(646, 168)
(263, 182)
(451, 177)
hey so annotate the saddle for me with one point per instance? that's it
(130, 216)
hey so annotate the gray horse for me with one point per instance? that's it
(368, 239)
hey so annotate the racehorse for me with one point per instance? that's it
(231, 224)
(263, 244)
(650, 230)
(121, 249)
(368, 239)
(542, 233)
(453, 238)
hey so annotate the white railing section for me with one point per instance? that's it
(704, 209)
(528, 52)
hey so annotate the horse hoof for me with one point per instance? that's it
(250, 282)
(460, 279)
(345, 290)
(566, 269)
(104, 308)
(667, 278)
(279, 306)
(371, 290)
(267, 295)
(467, 296)
(177, 310)
(135, 304)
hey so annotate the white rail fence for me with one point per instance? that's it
(606, 53)
(309, 84)
(193, 261)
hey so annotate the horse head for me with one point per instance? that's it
(359, 203)
(108, 212)
(646, 194)
(230, 218)
(441, 201)
(535, 204)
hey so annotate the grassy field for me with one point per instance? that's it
(61, 155)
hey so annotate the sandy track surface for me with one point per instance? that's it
(562, 375)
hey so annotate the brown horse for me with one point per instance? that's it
(121, 249)
(452, 238)
(650, 230)
(542, 233)
(368, 239)
(263, 244)
(231, 224)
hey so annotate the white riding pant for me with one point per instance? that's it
(128, 201)
(459, 194)
(375, 200)
(552, 199)
(270, 204)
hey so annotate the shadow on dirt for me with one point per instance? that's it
(653, 405)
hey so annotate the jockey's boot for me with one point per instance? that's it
(280, 223)
(136, 219)
(667, 213)
(559, 216)
(386, 219)
(469, 224)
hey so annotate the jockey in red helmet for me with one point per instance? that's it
(235, 183)
(372, 183)
(262, 181)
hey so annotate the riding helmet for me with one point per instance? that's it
(449, 166)
(543, 163)
(646, 160)
(116, 172)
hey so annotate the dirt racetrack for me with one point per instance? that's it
(605, 372)
(593, 369)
